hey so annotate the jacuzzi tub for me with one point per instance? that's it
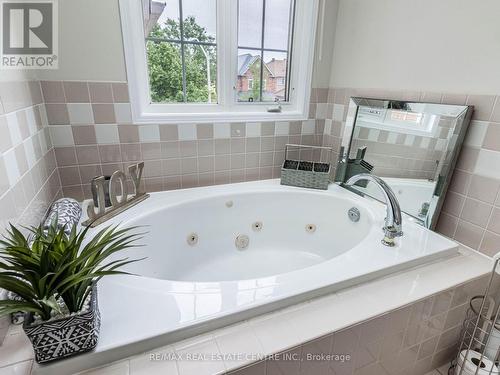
(196, 279)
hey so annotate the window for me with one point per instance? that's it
(182, 52)
(218, 60)
(264, 41)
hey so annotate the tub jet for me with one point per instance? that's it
(242, 241)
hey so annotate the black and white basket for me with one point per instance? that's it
(67, 336)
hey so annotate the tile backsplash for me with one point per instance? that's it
(91, 128)
(29, 181)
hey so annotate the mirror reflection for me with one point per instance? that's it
(412, 146)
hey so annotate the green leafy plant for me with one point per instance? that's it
(48, 265)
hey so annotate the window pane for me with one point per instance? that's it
(182, 68)
(163, 22)
(198, 78)
(165, 72)
(248, 84)
(276, 76)
(277, 24)
(250, 23)
(200, 20)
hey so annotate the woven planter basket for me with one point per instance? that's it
(65, 337)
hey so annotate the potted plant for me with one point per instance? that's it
(55, 275)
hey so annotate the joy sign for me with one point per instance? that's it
(119, 202)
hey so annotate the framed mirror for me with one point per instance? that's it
(413, 146)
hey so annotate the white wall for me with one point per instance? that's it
(325, 36)
(90, 42)
(91, 47)
(435, 45)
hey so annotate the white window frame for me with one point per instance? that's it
(228, 109)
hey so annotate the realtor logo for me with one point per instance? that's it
(29, 34)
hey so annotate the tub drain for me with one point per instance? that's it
(242, 241)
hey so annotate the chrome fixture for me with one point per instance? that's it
(354, 214)
(393, 221)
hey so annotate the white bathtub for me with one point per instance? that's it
(184, 290)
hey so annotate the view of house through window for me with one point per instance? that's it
(181, 45)
(182, 50)
(264, 33)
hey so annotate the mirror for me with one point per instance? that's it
(412, 146)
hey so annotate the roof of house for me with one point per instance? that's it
(277, 67)
(245, 62)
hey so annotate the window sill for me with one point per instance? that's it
(217, 117)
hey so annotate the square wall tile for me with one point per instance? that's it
(104, 113)
(100, 92)
(110, 153)
(61, 135)
(57, 114)
(169, 132)
(76, 92)
(4, 180)
(483, 106)
(486, 163)
(282, 128)
(65, 156)
(253, 129)
(187, 132)
(80, 113)
(120, 92)
(238, 130)
(222, 130)
(107, 134)
(87, 154)
(10, 161)
(53, 92)
(13, 128)
(149, 133)
(123, 113)
(84, 134)
(128, 133)
(22, 122)
(5, 140)
(204, 131)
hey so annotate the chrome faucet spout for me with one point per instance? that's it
(393, 222)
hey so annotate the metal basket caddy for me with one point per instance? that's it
(479, 349)
(307, 174)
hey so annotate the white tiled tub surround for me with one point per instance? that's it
(471, 212)
(406, 323)
(29, 181)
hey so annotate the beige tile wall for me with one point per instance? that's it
(471, 212)
(29, 181)
(92, 131)
(28, 172)
(412, 340)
